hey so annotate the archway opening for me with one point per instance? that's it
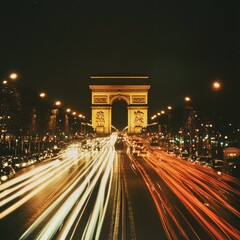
(119, 114)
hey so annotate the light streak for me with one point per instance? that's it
(81, 192)
(52, 207)
(200, 191)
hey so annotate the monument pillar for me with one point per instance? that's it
(101, 119)
(137, 118)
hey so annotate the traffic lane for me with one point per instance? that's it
(216, 184)
(199, 192)
(144, 212)
(23, 216)
(24, 188)
(168, 206)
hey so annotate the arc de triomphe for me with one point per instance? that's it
(135, 95)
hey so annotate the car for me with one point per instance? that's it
(143, 153)
(119, 145)
(204, 160)
(18, 163)
(38, 156)
(56, 151)
(30, 160)
(192, 158)
(6, 173)
(137, 147)
(217, 164)
(154, 141)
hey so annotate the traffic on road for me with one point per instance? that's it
(116, 187)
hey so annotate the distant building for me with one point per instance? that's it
(231, 157)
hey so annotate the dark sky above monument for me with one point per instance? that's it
(182, 45)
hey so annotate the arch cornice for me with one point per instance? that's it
(113, 98)
(116, 88)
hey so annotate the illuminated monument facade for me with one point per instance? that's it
(112, 88)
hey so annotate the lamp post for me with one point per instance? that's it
(66, 122)
(43, 120)
(56, 118)
(188, 124)
(216, 87)
(169, 130)
(216, 118)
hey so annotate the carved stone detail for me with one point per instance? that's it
(100, 99)
(119, 96)
(138, 99)
(100, 121)
(138, 118)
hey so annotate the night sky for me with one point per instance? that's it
(183, 46)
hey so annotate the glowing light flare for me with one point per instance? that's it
(13, 76)
(42, 95)
(216, 85)
(58, 103)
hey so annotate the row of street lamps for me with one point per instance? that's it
(42, 127)
(188, 136)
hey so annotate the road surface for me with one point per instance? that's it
(108, 194)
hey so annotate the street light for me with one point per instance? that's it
(42, 95)
(216, 85)
(58, 103)
(188, 128)
(216, 108)
(13, 76)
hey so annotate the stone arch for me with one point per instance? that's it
(103, 96)
(113, 98)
